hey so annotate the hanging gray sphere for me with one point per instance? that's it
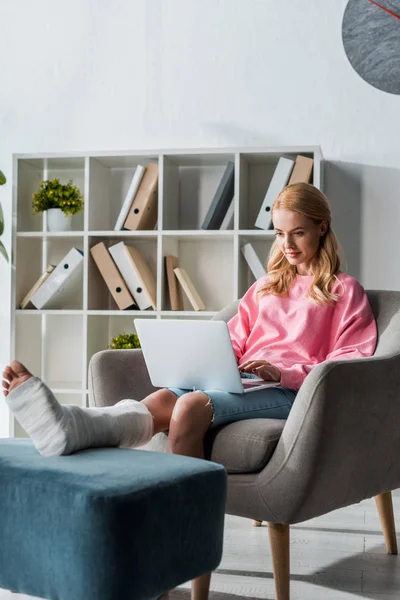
(371, 39)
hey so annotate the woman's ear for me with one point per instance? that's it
(324, 228)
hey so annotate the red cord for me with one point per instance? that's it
(385, 9)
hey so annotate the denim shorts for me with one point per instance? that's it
(269, 403)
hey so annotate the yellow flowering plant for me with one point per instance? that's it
(53, 194)
(124, 341)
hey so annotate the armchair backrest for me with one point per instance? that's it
(227, 313)
(385, 305)
(386, 308)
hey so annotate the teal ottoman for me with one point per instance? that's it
(106, 524)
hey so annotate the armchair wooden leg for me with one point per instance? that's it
(201, 587)
(256, 523)
(385, 510)
(279, 536)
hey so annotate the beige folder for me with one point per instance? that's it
(143, 212)
(175, 292)
(189, 289)
(112, 276)
(302, 170)
(36, 286)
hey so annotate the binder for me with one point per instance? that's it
(222, 198)
(69, 268)
(189, 289)
(136, 273)
(302, 170)
(143, 211)
(26, 300)
(279, 180)
(228, 221)
(253, 261)
(175, 291)
(111, 276)
(130, 196)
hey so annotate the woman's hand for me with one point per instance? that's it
(262, 369)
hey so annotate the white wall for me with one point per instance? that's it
(127, 74)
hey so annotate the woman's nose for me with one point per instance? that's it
(288, 241)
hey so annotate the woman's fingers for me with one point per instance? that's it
(248, 368)
(262, 369)
(270, 373)
(250, 365)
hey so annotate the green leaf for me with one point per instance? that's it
(3, 251)
(1, 220)
(2, 178)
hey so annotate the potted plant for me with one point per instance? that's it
(60, 200)
(2, 248)
(124, 341)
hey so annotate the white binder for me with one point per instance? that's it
(228, 221)
(136, 273)
(130, 196)
(49, 293)
(253, 261)
(279, 180)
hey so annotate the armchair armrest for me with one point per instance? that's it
(118, 374)
(341, 442)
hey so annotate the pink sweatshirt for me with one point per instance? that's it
(294, 334)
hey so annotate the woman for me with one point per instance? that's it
(305, 311)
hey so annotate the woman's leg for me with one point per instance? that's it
(57, 429)
(161, 405)
(269, 403)
(195, 412)
(190, 420)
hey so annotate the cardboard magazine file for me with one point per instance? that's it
(189, 289)
(49, 295)
(253, 261)
(111, 276)
(302, 170)
(174, 289)
(279, 179)
(136, 273)
(143, 212)
(26, 300)
(130, 196)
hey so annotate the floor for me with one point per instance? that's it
(340, 556)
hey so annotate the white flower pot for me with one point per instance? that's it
(57, 220)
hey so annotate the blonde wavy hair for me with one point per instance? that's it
(307, 200)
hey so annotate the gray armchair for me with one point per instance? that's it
(343, 428)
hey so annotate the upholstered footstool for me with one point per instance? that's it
(106, 524)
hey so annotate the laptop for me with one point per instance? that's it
(192, 354)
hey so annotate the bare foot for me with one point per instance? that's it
(13, 375)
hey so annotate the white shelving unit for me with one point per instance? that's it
(57, 345)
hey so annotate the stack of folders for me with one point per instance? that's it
(287, 171)
(126, 274)
(220, 213)
(139, 209)
(48, 290)
(179, 280)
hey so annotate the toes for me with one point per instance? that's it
(6, 386)
(18, 368)
(9, 374)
